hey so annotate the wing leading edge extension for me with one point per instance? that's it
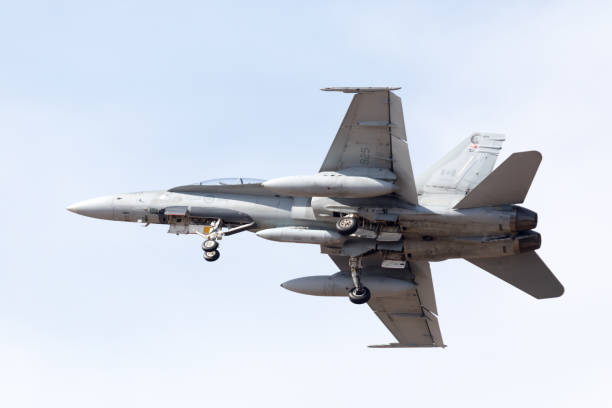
(372, 135)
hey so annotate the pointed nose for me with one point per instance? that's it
(101, 207)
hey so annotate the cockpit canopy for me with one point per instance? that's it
(230, 181)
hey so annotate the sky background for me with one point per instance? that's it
(118, 96)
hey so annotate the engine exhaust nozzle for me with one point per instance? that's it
(528, 241)
(523, 219)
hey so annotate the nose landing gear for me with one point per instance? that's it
(210, 250)
(211, 244)
(359, 294)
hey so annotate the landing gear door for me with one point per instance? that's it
(178, 218)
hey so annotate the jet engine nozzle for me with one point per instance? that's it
(523, 219)
(528, 241)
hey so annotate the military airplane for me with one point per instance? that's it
(379, 224)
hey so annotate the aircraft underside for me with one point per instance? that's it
(379, 224)
(394, 235)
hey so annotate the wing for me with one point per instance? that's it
(372, 135)
(410, 318)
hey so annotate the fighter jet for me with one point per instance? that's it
(380, 225)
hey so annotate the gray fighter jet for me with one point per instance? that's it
(379, 225)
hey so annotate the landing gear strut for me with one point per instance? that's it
(359, 294)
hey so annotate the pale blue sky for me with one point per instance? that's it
(105, 97)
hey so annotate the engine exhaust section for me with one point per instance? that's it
(527, 241)
(523, 219)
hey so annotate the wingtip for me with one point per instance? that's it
(536, 154)
(405, 345)
(557, 293)
(348, 89)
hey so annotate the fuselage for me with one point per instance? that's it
(422, 232)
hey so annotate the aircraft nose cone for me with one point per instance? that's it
(101, 207)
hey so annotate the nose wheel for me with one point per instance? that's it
(211, 253)
(210, 245)
(211, 256)
(359, 294)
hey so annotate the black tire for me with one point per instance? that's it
(209, 245)
(359, 297)
(211, 256)
(347, 225)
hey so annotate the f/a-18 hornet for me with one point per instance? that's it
(379, 225)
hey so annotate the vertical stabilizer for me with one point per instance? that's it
(464, 167)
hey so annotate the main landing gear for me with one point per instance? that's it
(347, 225)
(359, 294)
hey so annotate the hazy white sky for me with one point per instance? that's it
(105, 97)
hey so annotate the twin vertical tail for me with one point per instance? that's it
(509, 184)
(463, 168)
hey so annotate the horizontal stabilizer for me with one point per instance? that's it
(507, 184)
(526, 272)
